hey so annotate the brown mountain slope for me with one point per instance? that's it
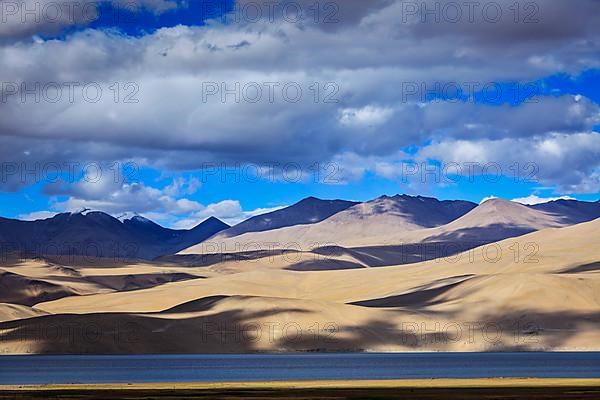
(362, 226)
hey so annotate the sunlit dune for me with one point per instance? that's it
(536, 291)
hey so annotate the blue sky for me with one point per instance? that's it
(143, 21)
(398, 121)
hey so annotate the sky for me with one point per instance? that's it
(182, 110)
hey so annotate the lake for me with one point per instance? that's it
(267, 367)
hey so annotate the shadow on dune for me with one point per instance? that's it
(416, 298)
(83, 261)
(481, 235)
(126, 283)
(517, 331)
(203, 304)
(324, 265)
(25, 291)
(231, 331)
(592, 267)
(22, 290)
(209, 259)
(439, 246)
(370, 256)
(241, 331)
(383, 256)
(533, 329)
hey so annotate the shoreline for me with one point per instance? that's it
(327, 384)
(289, 353)
(420, 389)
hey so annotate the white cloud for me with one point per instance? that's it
(21, 19)
(571, 163)
(133, 197)
(36, 215)
(534, 199)
(116, 195)
(228, 211)
(182, 186)
(169, 206)
(487, 198)
(371, 120)
(367, 116)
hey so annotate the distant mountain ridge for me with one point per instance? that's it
(311, 223)
(382, 216)
(498, 219)
(97, 234)
(307, 211)
(424, 212)
(571, 211)
(401, 220)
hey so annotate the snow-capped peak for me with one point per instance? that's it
(82, 211)
(132, 216)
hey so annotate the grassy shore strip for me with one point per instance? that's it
(432, 389)
(282, 385)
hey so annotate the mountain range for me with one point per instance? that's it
(387, 221)
(96, 234)
(308, 211)
(402, 220)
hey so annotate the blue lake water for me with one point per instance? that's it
(223, 368)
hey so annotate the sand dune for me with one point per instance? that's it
(537, 291)
(551, 253)
(130, 282)
(228, 324)
(28, 281)
(527, 299)
(10, 312)
(18, 289)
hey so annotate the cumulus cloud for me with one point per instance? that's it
(182, 186)
(537, 116)
(368, 116)
(228, 211)
(166, 98)
(497, 22)
(22, 19)
(329, 16)
(131, 197)
(115, 195)
(571, 162)
(36, 215)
